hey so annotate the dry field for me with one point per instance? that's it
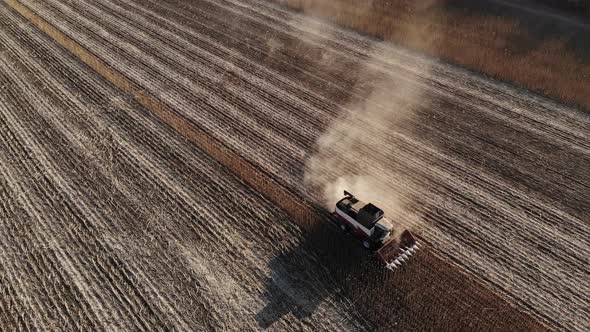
(149, 228)
(537, 56)
(110, 221)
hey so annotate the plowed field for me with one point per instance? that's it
(112, 219)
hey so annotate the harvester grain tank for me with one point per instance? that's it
(367, 222)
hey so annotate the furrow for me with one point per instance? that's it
(36, 205)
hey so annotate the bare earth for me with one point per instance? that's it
(496, 179)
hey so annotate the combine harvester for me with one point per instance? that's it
(367, 222)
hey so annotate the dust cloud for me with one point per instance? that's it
(346, 155)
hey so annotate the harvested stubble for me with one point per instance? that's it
(408, 300)
(292, 99)
(110, 220)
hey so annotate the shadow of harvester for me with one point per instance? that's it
(325, 264)
(289, 289)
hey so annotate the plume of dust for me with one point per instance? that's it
(311, 43)
(344, 151)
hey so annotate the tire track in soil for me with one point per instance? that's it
(94, 62)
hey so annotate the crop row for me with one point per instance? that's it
(143, 199)
(276, 128)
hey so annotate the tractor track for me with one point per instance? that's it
(472, 171)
